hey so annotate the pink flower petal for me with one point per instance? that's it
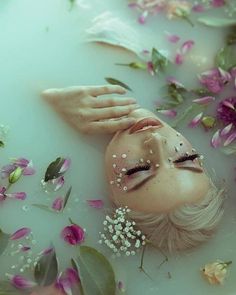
(7, 170)
(73, 234)
(18, 196)
(228, 104)
(204, 100)
(216, 139)
(47, 251)
(20, 233)
(198, 8)
(172, 80)
(29, 171)
(21, 162)
(150, 68)
(230, 139)
(65, 165)
(58, 204)
(168, 113)
(58, 182)
(217, 3)
(172, 38)
(179, 59)
(25, 248)
(98, 204)
(2, 189)
(142, 17)
(226, 77)
(195, 121)
(186, 47)
(20, 282)
(66, 280)
(226, 129)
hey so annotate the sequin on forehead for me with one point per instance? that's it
(123, 156)
(113, 156)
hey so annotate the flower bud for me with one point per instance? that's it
(15, 175)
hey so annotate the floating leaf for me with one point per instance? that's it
(67, 197)
(96, 273)
(46, 269)
(134, 65)
(226, 58)
(2, 144)
(75, 267)
(7, 289)
(54, 169)
(217, 22)
(113, 81)
(159, 61)
(43, 207)
(4, 238)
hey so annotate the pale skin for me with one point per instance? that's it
(103, 109)
(93, 109)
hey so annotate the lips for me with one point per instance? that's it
(145, 124)
(191, 165)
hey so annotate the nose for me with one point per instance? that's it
(156, 145)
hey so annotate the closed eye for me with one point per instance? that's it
(137, 169)
(187, 158)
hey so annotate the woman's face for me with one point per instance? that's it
(152, 168)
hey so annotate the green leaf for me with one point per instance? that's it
(15, 175)
(7, 289)
(44, 207)
(113, 81)
(217, 22)
(159, 61)
(226, 57)
(67, 197)
(4, 238)
(76, 268)
(96, 273)
(2, 144)
(134, 65)
(53, 170)
(46, 269)
(231, 37)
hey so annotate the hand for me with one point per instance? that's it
(85, 109)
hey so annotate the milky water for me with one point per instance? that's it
(42, 46)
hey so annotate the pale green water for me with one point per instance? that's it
(42, 46)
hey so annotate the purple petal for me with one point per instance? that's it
(29, 171)
(58, 182)
(195, 121)
(172, 38)
(21, 162)
(216, 139)
(150, 68)
(186, 47)
(65, 165)
(204, 100)
(2, 189)
(73, 234)
(58, 204)
(20, 233)
(133, 5)
(25, 248)
(72, 275)
(98, 204)
(226, 77)
(230, 139)
(18, 196)
(47, 251)
(7, 170)
(142, 17)
(179, 59)
(198, 8)
(217, 3)
(21, 282)
(226, 129)
(121, 286)
(172, 80)
(228, 104)
(168, 113)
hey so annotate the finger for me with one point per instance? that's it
(109, 126)
(106, 89)
(112, 112)
(105, 102)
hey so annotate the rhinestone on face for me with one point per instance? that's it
(123, 156)
(113, 156)
(125, 188)
(114, 165)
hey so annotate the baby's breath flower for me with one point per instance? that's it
(120, 235)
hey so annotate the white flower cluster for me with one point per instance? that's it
(120, 234)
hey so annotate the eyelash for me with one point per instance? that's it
(137, 169)
(185, 158)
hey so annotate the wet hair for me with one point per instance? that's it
(187, 226)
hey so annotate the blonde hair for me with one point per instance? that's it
(185, 227)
